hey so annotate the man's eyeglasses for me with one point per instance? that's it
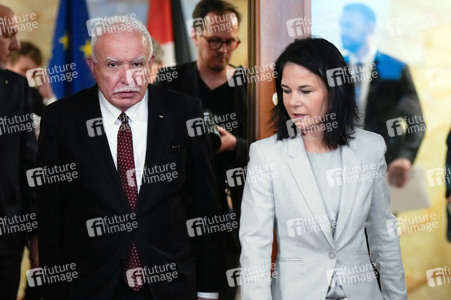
(216, 43)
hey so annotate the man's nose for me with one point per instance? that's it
(15, 44)
(223, 48)
(126, 74)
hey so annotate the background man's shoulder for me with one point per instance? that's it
(170, 98)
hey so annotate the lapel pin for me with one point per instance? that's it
(160, 116)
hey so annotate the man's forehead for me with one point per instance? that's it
(112, 42)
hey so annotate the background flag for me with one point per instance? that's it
(167, 26)
(71, 44)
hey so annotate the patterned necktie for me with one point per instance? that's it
(126, 166)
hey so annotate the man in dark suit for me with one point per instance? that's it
(123, 218)
(17, 154)
(386, 94)
(223, 93)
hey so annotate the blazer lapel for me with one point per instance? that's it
(303, 175)
(348, 190)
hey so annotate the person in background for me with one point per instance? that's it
(17, 155)
(215, 34)
(158, 62)
(29, 57)
(318, 211)
(26, 58)
(387, 96)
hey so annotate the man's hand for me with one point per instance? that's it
(228, 140)
(34, 258)
(398, 171)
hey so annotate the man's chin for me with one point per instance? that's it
(217, 67)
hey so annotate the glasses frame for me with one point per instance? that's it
(221, 42)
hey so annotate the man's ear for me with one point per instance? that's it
(370, 27)
(151, 60)
(91, 64)
(195, 37)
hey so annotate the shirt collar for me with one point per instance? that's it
(367, 59)
(110, 113)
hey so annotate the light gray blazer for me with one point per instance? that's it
(281, 194)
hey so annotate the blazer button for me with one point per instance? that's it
(332, 255)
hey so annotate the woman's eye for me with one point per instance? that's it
(286, 91)
(306, 92)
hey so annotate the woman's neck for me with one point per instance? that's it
(313, 142)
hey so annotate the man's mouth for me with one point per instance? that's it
(126, 92)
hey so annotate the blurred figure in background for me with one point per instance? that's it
(17, 155)
(29, 57)
(215, 34)
(386, 97)
(26, 58)
(158, 62)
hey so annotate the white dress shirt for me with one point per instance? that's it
(138, 116)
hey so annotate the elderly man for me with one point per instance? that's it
(123, 183)
(17, 154)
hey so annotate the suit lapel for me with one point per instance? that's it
(303, 175)
(348, 190)
(159, 126)
(98, 145)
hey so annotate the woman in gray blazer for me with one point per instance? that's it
(319, 182)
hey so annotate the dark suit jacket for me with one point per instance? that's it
(17, 155)
(162, 209)
(187, 82)
(392, 95)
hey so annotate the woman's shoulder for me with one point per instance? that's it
(367, 141)
(268, 142)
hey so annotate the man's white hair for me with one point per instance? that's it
(116, 24)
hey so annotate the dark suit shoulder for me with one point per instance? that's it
(75, 101)
(7, 74)
(186, 67)
(172, 99)
(389, 67)
(12, 78)
(174, 77)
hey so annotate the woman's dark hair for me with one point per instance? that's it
(323, 59)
